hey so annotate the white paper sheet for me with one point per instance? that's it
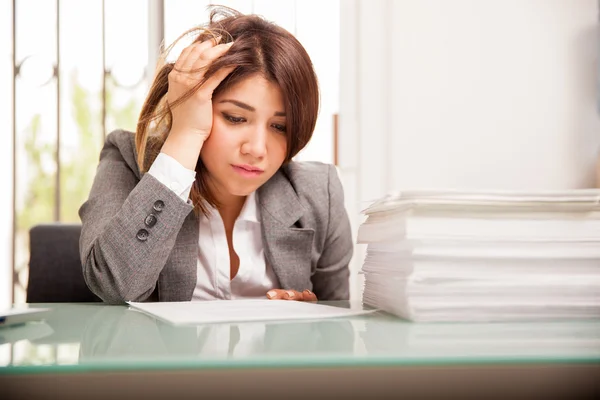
(574, 200)
(219, 311)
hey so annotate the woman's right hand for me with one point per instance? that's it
(194, 115)
(192, 118)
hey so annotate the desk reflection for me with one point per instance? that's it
(116, 334)
(31, 331)
(389, 336)
(119, 332)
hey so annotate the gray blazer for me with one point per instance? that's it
(305, 229)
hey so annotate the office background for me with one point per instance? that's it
(467, 94)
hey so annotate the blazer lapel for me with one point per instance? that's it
(287, 247)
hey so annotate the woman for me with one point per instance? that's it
(203, 201)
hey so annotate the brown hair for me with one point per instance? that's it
(259, 47)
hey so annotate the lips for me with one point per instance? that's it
(247, 171)
(249, 168)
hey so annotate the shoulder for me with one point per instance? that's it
(122, 140)
(314, 181)
(307, 175)
(120, 146)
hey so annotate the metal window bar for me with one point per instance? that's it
(155, 43)
(57, 78)
(14, 151)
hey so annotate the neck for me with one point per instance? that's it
(230, 207)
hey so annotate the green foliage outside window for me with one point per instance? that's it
(77, 169)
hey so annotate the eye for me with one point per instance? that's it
(234, 120)
(280, 128)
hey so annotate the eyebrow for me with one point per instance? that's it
(249, 107)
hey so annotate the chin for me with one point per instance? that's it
(241, 191)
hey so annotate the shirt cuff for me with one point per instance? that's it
(173, 175)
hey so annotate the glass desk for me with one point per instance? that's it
(94, 345)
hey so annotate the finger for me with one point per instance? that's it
(275, 294)
(196, 70)
(211, 54)
(292, 295)
(183, 57)
(214, 81)
(307, 295)
(193, 53)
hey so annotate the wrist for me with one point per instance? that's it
(188, 134)
(185, 148)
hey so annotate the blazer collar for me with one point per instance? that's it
(278, 198)
(288, 248)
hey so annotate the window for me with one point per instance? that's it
(81, 70)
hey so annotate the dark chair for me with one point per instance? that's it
(55, 272)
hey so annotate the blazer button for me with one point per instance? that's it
(150, 220)
(158, 205)
(142, 235)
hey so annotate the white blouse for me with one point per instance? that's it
(255, 276)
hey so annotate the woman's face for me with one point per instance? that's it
(247, 144)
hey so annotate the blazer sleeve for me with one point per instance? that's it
(129, 226)
(331, 278)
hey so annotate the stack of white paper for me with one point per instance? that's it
(481, 256)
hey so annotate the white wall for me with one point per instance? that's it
(473, 94)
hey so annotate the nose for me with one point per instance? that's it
(256, 143)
